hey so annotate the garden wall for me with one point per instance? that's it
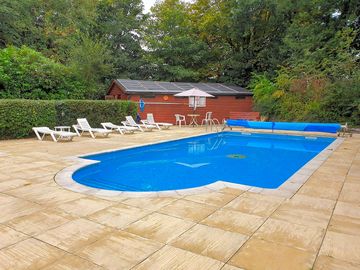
(18, 116)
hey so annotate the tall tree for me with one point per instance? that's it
(174, 50)
(120, 23)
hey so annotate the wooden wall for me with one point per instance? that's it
(165, 106)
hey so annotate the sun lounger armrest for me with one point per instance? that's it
(145, 122)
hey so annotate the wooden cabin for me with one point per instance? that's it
(159, 98)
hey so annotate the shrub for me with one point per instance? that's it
(18, 116)
(94, 111)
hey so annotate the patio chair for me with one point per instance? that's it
(208, 120)
(119, 128)
(151, 121)
(84, 126)
(55, 135)
(130, 122)
(179, 119)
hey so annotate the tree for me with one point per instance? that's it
(120, 24)
(173, 48)
(91, 60)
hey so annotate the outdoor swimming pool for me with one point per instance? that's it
(259, 160)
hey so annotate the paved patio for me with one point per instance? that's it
(44, 226)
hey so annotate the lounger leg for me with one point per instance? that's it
(140, 128)
(77, 131)
(38, 135)
(119, 129)
(53, 137)
(92, 134)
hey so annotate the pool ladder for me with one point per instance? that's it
(210, 124)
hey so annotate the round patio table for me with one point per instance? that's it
(193, 119)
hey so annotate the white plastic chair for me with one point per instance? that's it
(179, 119)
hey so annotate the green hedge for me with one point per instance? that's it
(18, 116)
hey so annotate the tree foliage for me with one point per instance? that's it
(25, 73)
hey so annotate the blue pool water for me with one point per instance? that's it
(260, 160)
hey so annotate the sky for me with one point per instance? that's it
(148, 4)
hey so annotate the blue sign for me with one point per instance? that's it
(142, 105)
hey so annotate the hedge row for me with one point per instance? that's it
(18, 116)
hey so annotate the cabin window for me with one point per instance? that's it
(199, 101)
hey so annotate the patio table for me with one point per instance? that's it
(193, 119)
(62, 128)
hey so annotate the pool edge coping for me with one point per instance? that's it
(286, 190)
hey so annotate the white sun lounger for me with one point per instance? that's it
(121, 129)
(55, 135)
(151, 121)
(84, 126)
(130, 122)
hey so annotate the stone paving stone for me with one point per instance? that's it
(328, 263)
(346, 219)
(159, 227)
(320, 190)
(13, 183)
(211, 242)
(341, 246)
(234, 221)
(44, 194)
(75, 234)
(326, 176)
(71, 262)
(119, 250)
(149, 203)
(350, 192)
(119, 216)
(230, 267)
(289, 234)
(84, 206)
(212, 198)
(13, 207)
(255, 204)
(312, 203)
(297, 215)
(188, 210)
(313, 211)
(39, 221)
(173, 258)
(233, 191)
(258, 254)
(28, 254)
(8, 236)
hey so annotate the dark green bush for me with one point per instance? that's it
(94, 111)
(18, 116)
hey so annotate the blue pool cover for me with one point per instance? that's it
(260, 160)
(310, 127)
